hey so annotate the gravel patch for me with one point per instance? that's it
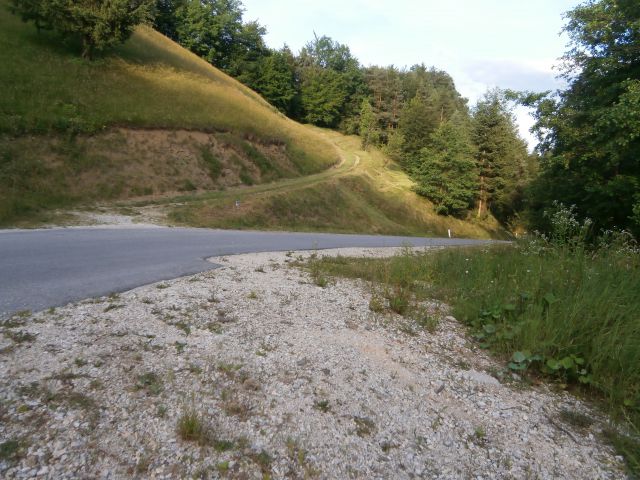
(253, 371)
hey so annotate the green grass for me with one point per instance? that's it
(51, 97)
(367, 193)
(564, 312)
(148, 82)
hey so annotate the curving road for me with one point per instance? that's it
(48, 268)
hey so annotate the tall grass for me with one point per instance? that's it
(558, 307)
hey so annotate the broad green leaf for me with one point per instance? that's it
(567, 363)
(553, 364)
(519, 357)
(489, 328)
(550, 298)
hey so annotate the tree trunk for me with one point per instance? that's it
(87, 48)
(482, 202)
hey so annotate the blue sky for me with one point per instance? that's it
(481, 43)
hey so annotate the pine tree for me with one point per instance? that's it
(501, 155)
(445, 171)
(323, 94)
(368, 127)
(98, 24)
(416, 125)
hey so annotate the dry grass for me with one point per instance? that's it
(50, 96)
(368, 193)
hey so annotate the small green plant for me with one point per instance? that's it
(80, 362)
(223, 467)
(180, 346)
(214, 327)
(322, 405)
(376, 304)
(399, 299)
(364, 426)
(264, 461)
(161, 411)
(10, 450)
(192, 427)
(112, 306)
(253, 295)
(20, 336)
(229, 369)
(150, 382)
(185, 327)
(575, 418)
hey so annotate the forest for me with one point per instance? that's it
(467, 159)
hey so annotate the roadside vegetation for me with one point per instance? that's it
(555, 307)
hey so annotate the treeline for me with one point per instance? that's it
(468, 161)
(590, 132)
(462, 159)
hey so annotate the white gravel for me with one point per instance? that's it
(290, 379)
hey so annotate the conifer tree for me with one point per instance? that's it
(368, 128)
(445, 171)
(97, 24)
(501, 155)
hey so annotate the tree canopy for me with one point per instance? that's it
(97, 24)
(590, 133)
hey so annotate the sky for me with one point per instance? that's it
(480, 43)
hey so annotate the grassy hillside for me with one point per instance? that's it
(152, 124)
(367, 192)
(54, 106)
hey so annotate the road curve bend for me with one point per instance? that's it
(48, 268)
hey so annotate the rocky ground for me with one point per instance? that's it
(254, 371)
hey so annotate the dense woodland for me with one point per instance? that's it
(468, 160)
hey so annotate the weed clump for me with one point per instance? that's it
(192, 428)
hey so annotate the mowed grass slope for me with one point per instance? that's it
(149, 82)
(53, 101)
(368, 193)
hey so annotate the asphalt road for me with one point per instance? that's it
(49, 268)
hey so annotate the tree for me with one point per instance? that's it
(98, 24)
(214, 30)
(385, 87)
(445, 172)
(277, 81)
(416, 125)
(323, 94)
(501, 155)
(346, 83)
(368, 128)
(590, 132)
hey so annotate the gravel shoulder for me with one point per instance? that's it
(285, 380)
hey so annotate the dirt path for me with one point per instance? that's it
(283, 379)
(154, 212)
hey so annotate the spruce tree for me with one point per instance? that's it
(98, 24)
(368, 127)
(501, 155)
(445, 171)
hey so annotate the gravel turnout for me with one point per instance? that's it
(252, 371)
